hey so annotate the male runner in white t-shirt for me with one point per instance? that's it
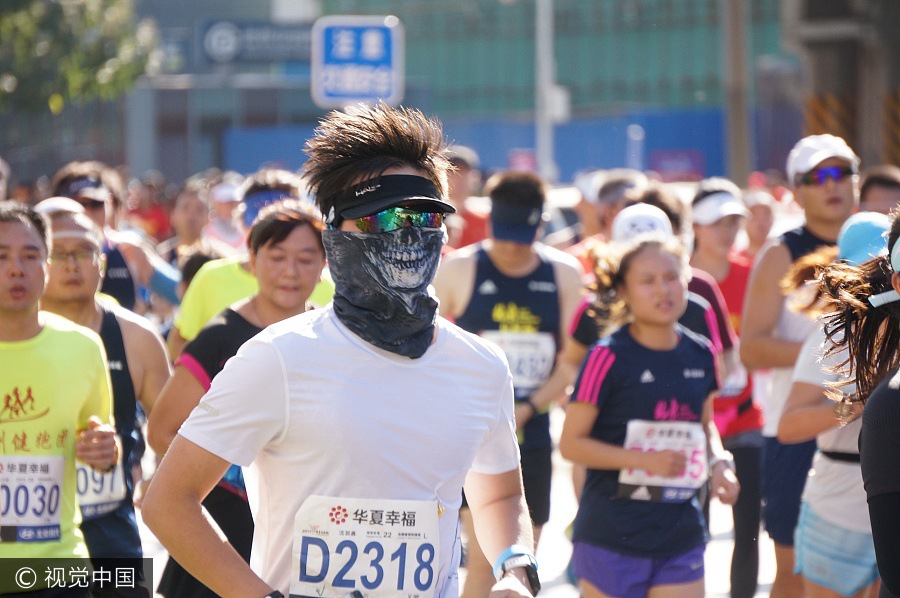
(358, 424)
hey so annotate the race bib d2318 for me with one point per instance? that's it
(100, 493)
(649, 436)
(30, 498)
(377, 547)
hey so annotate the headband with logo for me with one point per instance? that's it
(375, 195)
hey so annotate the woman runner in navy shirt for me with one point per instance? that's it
(640, 421)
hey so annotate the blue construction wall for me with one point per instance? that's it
(692, 137)
(245, 149)
(602, 142)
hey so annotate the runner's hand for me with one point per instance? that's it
(96, 446)
(667, 463)
(524, 412)
(724, 484)
(510, 586)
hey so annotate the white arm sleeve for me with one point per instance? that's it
(245, 408)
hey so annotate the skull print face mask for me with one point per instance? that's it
(381, 285)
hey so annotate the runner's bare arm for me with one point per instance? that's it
(454, 281)
(175, 343)
(759, 347)
(172, 511)
(148, 350)
(178, 398)
(568, 276)
(576, 445)
(501, 519)
(554, 389)
(723, 480)
(807, 413)
(573, 354)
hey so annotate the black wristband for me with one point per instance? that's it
(274, 594)
(529, 564)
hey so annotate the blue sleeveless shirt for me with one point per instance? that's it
(520, 314)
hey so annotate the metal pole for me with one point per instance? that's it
(544, 81)
(736, 76)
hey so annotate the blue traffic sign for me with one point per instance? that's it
(357, 59)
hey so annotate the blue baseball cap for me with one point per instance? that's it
(516, 223)
(863, 237)
(255, 202)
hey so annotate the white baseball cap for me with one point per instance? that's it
(811, 151)
(52, 205)
(589, 183)
(225, 193)
(758, 197)
(639, 219)
(715, 206)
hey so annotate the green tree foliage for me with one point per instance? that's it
(53, 52)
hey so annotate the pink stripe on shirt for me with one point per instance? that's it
(596, 369)
(194, 367)
(715, 334)
(576, 317)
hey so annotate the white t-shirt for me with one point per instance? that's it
(795, 327)
(834, 489)
(309, 408)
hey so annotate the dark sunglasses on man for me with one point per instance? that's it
(820, 176)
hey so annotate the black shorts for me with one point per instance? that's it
(537, 471)
(785, 469)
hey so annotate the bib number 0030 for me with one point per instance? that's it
(30, 497)
(37, 500)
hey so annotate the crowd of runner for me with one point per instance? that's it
(352, 368)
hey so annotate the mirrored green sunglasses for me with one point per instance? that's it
(398, 217)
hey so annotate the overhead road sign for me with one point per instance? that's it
(357, 59)
(229, 42)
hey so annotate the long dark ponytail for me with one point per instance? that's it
(870, 334)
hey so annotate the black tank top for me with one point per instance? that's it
(522, 315)
(116, 534)
(800, 242)
(118, 282)
(124, 397)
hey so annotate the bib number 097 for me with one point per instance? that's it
(90, 480)
(422, 575)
